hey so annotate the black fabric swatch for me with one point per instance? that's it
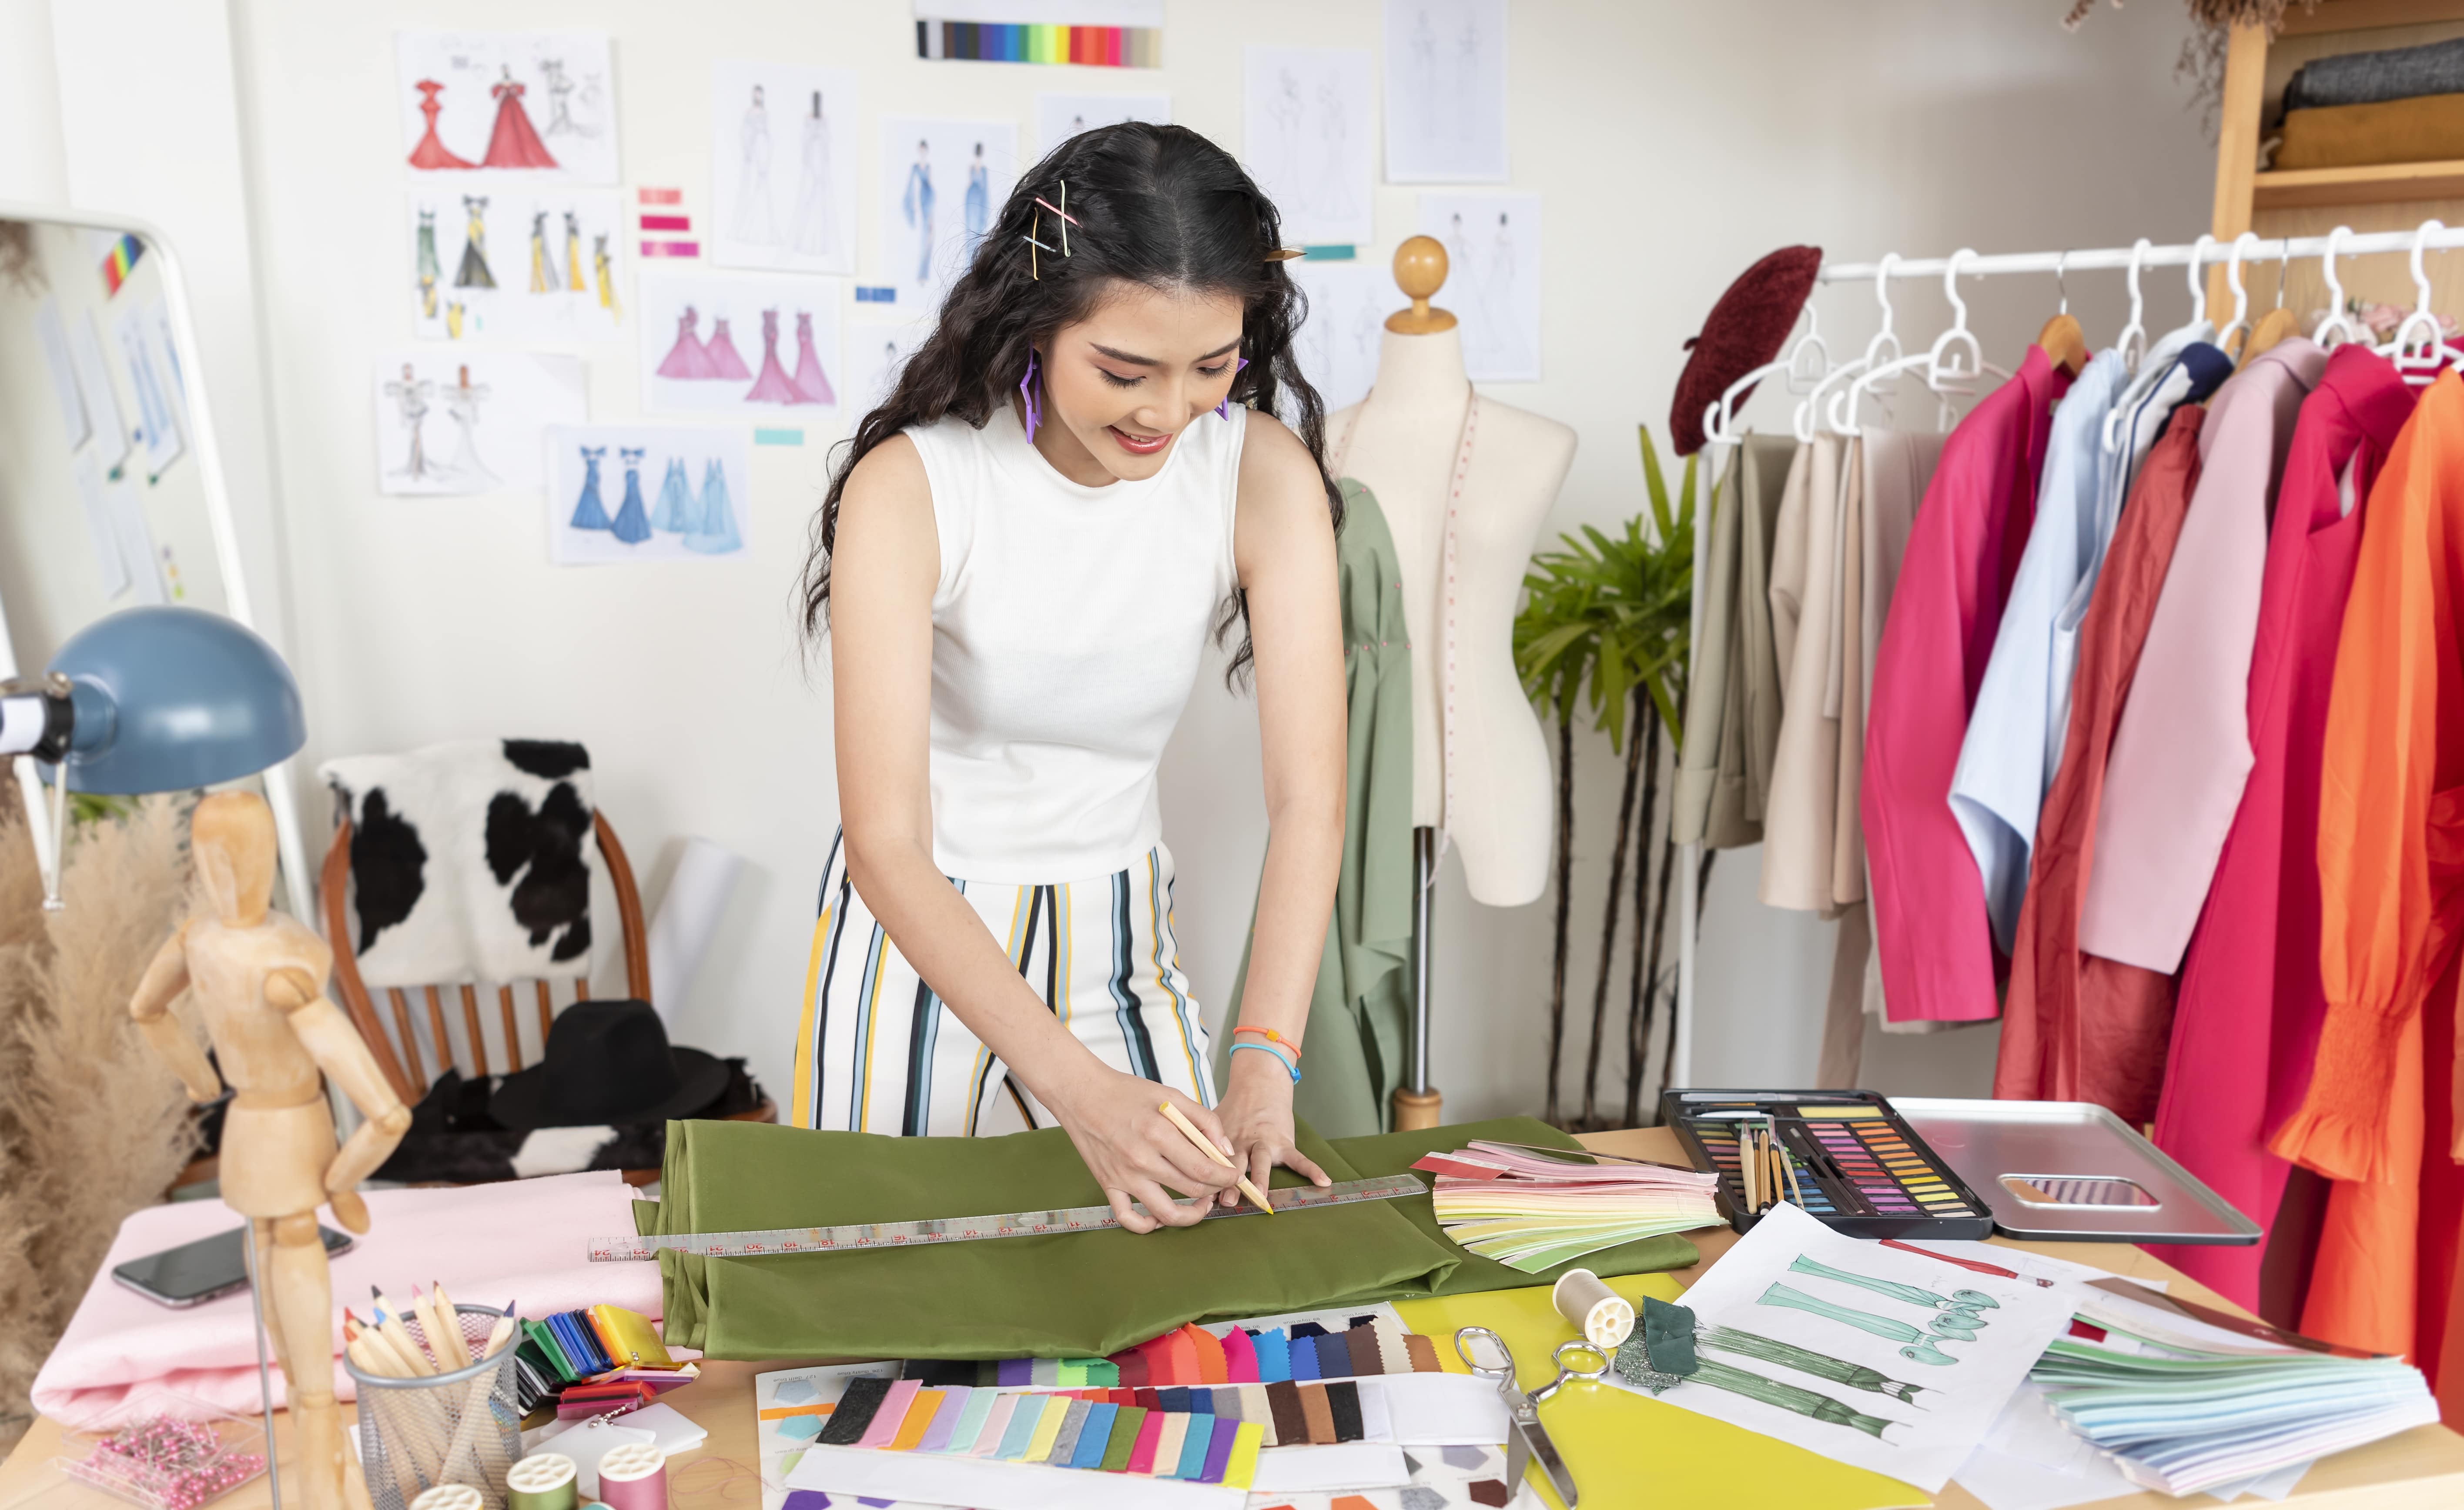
(862, 1401)
(941, 1373)
(1309, 1330)
(1343, 1403)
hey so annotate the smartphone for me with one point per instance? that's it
(203, 1270)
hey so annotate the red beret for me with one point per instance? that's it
(1744, 332)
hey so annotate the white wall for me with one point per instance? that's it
(1675, 144)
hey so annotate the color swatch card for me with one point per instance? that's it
(1850, 1159)
(1531, 1211)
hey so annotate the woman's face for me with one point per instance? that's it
(1120, 386)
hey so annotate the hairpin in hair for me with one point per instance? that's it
(1060, 209)
(1287, 253)
(1032, 271)
(1224, 410)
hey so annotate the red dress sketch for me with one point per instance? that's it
(773, 386)
(686, 358)
(724, 359)
(811, 381)
(431, 153)
(514, 144)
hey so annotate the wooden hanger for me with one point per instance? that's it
(2064, 342)
(1420, 271)
(2273, 326)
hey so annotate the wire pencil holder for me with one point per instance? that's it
(456, 1428)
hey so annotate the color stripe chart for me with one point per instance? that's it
(1859, 1168)
(976, 31)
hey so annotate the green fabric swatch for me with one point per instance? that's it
(1125, 1438)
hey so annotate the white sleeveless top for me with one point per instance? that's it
(1067, 630)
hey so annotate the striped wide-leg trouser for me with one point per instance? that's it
(876, 1050)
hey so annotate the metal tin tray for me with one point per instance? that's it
(2072, 1171)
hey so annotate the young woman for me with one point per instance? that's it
(1017, 568)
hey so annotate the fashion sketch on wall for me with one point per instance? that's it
(744, 345)
(783, 167)
(941, 181)
(646, 493)
(1059, 117)
(1307, 137)
(877, 352)
(469, 422)
(1337, 345)
(529, 105)
(1492, 284)
(1445, 91)
(498, 260)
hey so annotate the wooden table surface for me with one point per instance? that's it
(2423, 1468)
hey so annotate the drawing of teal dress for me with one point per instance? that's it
(589, 514)
(633, 524)
(715, 533)
(980, 186)
(918, 206)
(676, 514)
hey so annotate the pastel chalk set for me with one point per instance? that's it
(1859, 1167)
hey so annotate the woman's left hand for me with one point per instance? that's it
(1257, 1115)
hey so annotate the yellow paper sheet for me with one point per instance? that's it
(1625, 1447)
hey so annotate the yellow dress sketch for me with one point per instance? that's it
(573, 253)
(606, 266)
(454, 320)
(543, 278)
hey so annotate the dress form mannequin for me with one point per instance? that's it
(258, 978)
(1404, 442)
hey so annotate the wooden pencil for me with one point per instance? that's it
(453, 1326)
(389, 1317)
(1788, 1163)
(1198, 1138)
(463, 1448)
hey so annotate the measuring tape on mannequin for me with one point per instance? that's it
(777, 1241)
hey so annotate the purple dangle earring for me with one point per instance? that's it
(1027, 391)
(1224, 410)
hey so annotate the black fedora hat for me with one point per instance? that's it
(606, 1062)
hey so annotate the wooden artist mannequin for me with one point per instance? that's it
(259, 983)
(1405, 439)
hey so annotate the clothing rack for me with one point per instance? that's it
(2430, 235)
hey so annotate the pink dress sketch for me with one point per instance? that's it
(724, 359)
(810, 381)
(431, 152)
(773, 386)
(686, 359)
(514, 144)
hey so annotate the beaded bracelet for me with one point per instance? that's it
(1290, 1067)
(1272, 1036)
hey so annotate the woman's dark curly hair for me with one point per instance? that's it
(1156, 206)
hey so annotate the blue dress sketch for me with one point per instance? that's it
(715, 533)
(589, 514)
(675, 513)
(918, 205)
(980, 199)
(633, 524)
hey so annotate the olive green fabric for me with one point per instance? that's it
(1360, 1011)
(1393, 1153)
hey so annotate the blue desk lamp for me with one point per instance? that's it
(157, 699)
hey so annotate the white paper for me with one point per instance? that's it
(1323, 1468)
(1059, 117)
(1049, 12)
(1338, 343)
(470, 421)
(1963, 1382)
(750, 346)
(51, 334)
(688, 919)
(1441, 1410)
(86, 470)
(1306, 139)
(150, 377)
(102, 398)
(566, 105)
(515, 263)
(876, 353)
(125, 503)
(782, 166)
(942, 186)
(587, 1441)
(1445, 91)
(1492, 284)
(621, 509)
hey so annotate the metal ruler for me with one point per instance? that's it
(779, 1241)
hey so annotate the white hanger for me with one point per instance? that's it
(2337, 328)
(1809, 409)
(1943, 379)
(2241, 298)
(1719, 420)
(2198, 316)
(2132, 342)
(2418, 349)
(1802, 378)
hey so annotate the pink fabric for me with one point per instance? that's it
(892, 1416)
(1929, 923)
(1239, 1357)
(2246, 1026)
(522, 1240)
(2183, 751)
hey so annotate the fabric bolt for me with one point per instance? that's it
(2428, 128)
(2250, 1003)
(1360, 1007)
(2367, 78)
(2182, 754)
(1800, 819)
(1929, 909)
(2055, 1023)
(1732, 692)
(1149, 1443)
(2006, 758)
(1127, 1426)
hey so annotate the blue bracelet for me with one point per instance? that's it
(1269, 1048)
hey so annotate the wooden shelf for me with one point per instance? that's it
(2378, 184)
(2361, 15)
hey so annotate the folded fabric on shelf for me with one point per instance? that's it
(2429, 129)
(2367, 78)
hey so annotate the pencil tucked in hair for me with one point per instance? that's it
(1156, 206)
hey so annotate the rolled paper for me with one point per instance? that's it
(452, 1496)
(1603, 1316)
(542, 1482)
(633, 1475)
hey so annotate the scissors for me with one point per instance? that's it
(1531, 1438)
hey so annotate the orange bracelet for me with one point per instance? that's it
(1272, 1036)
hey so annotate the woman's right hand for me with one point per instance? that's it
(1135, 1151)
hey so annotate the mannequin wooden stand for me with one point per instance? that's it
(1418, 1105)
(258, 978)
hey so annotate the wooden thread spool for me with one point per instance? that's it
(1604, 1317)
(1419, 272)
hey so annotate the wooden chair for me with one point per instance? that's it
(335, 885)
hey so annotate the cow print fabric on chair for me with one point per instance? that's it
(471, 861)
